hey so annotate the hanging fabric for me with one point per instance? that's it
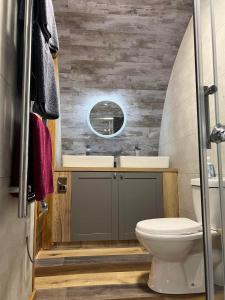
(44, 91)
(47, 23)
(40, 159)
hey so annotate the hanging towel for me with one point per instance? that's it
(44, 91)
(43, 83)
(40, 158)
(43, 13)
(47, 23)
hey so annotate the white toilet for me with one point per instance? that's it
(176, 245)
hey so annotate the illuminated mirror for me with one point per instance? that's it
(106, 119)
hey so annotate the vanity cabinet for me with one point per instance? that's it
(107, 205)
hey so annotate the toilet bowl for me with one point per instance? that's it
(176, 246)
(174, 269)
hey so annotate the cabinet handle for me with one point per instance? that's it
(114, 176)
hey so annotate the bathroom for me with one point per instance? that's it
(135, 208)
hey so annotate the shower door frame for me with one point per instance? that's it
(203, 142)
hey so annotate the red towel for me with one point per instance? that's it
(40, 158)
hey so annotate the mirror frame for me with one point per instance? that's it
(102, 135)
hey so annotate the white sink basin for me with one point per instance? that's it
(79, 161)
(144, 162)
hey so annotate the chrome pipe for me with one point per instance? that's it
(24, 143)
(202, 140)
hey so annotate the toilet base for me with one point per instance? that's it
(185, 277)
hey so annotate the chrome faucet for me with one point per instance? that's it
(88, 150)
(137, 150)
(118, 153)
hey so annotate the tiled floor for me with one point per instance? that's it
(97, 274)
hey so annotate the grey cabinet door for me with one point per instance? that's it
(94, 211)
(140, 198)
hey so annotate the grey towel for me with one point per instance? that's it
(43, 83)
(44, 40)
(47, 23)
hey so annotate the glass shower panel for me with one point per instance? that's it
(218, 150)
(212, 22)
(209, 16)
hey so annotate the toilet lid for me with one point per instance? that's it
(168, 226)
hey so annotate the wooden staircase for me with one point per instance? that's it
(107, 273)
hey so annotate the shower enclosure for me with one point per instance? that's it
(209, 31)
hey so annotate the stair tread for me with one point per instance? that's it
(62, 253)
(89, 279)
(110, 292)
(106, 292)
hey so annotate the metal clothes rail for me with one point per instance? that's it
(24, 144)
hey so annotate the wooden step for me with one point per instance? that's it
(91, 261)
(110, 292)
(106, 292)
(59, 253)
(108, 273)
(89, 279)
(64, 269)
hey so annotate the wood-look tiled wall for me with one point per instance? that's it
(122, 50)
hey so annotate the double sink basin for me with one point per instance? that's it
(92, 161)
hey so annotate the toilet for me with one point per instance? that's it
(176, 246)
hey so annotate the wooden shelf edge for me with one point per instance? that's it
(99, 169)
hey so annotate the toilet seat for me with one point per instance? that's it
(169, 226)
(170, 237)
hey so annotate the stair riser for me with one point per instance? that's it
(110, 292)
(75, 269)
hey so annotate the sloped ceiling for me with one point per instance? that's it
(122, 50)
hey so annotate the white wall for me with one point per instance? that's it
(15, 268)
(178, 137)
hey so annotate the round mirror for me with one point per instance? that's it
(106, 119)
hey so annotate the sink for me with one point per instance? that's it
(79, 161)
(144, 161)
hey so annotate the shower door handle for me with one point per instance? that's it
(218, 134)
(208, 90)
